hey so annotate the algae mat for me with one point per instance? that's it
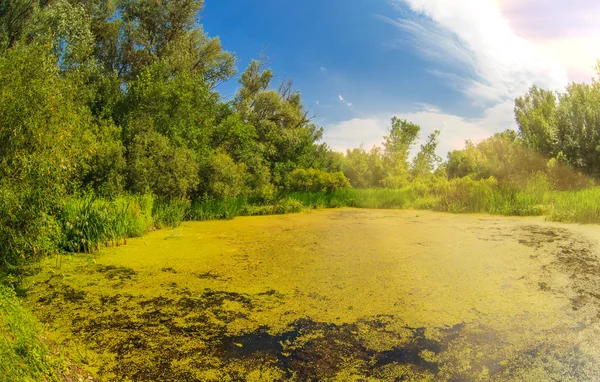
(334, 295)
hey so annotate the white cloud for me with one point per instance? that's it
(323, 69)
(485, 58)
(344, 101)
(492, 51)
(355, 132)
(317, 102)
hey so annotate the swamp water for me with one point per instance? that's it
(334, 295)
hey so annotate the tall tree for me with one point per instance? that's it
(536, 116)
(288, 139)
(397, 144)
(426, 159)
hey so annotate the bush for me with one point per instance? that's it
(40, 127)
(156, 166)
(467, 195)
(25, 229)
(288, 205)
(224, 178)
(312, 180)
(565, 178)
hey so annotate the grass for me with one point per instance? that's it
(169, 213)
(202, 210)
(88, 222)
(534, 198)
(575, 206)
(24, 356)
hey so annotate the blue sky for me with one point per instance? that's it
(453, 65)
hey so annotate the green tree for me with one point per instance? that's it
(16, 18)
(41, 124)
(397, 145)
(426, 159)
(158, 167)
(536, 115)
(288, 139)
(356, 168)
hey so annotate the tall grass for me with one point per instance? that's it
(575, 206)
(359, 198)
(169, 213)
(463, 195)
(89, 222)
(210, 209)
(23, 354)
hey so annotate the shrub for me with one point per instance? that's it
(224, 178)
(288, 205)
(468, 195)
(312, 180)
(155, 165)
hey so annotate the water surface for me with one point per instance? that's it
(334, 295)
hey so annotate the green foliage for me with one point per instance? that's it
(575, 207)
(103, 171)
(156, 166)
(502, 156)
(364, 169)
(17, 18)
(24, 356)
(397, 144)
(536, 116)
(212, 209)
(223, 178)
(426, 159)
(89, 222)
(286, 137)
(40, 125)
(169, 213)
(462, 163)
(313, 180)
(565, 125)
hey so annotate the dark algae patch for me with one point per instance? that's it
(333, 296)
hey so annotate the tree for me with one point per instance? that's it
(356, 168)
(16, 17)
(397, 145)
(536, 116)
(426, 160)
(288, 139)
(41, 135)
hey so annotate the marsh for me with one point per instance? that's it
(342, 294)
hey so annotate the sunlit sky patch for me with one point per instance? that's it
(452, 65)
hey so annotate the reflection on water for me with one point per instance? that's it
(335, 295)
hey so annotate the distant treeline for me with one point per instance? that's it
(110, 108)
